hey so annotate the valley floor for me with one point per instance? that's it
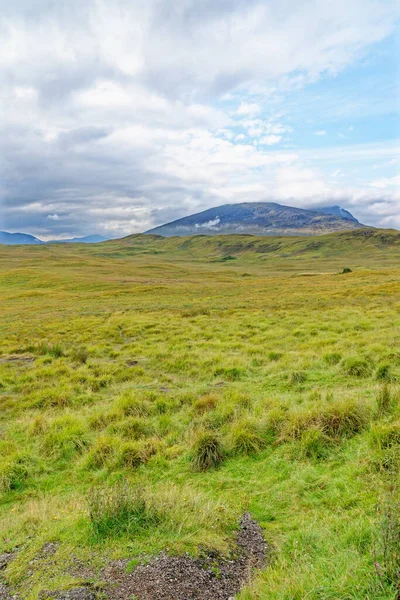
(147, 401)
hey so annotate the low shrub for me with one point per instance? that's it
(346, 270)
(207, 452)
(274, 356)
(121, 510)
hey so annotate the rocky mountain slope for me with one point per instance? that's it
(261, 218)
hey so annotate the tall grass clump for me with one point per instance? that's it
(383, 372)
(121, 510)
(384, 400)
(387, 545)
(52, 349)
(101, 452)
(332, 358)
(131, 406)
(297, 377)
(133, 454)
(246, 439)
(14, 470)
(65, 436)
(207, 452)
(80, 354)
(340, 418)
(384, 436)
(314, 444)
(357, 367)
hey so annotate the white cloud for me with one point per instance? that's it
(386, 182)
(124, 114)
(270, 140)
(247, 108)
(320, 132)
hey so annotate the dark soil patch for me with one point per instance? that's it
(17, 359)
(209, 577)
(81, 593)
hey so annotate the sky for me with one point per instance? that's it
(119, 115)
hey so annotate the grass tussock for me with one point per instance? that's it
(121, 510)
(340, 418)
(246, 439)
(387, 544)
(65, 436)
(357, 367)
(207, 452)
(14, 470)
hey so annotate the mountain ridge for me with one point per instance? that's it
(261, 218)
(26, 239)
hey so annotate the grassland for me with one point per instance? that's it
(152, 390)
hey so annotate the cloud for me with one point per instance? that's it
(247, 108)
(320, 132)
(270, 140)
(125, 114)
(386, 182)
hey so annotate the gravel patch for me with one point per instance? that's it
(209, 577)
(80, 593)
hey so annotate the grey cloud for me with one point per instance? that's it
(147, 151)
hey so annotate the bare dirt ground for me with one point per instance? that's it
(209, 577)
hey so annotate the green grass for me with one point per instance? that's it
(151, 390)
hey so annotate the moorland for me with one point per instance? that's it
(152, 390)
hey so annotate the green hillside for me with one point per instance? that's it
(126, 365)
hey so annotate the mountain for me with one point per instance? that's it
(11, 239)
(87, 239)
(338, 211)
(260, 218)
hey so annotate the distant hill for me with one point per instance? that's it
(87, 239)
(11, 239)
(261, 218)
